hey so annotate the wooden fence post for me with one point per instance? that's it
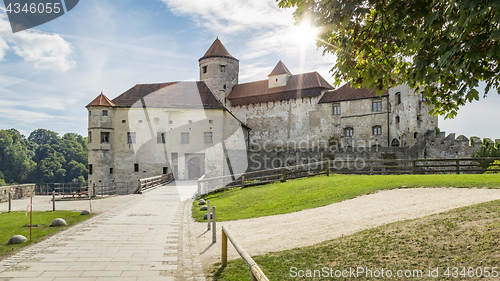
(224, 249)
(458, 166)
(284, 175)
(414, 166)
(328, 168)
(242, 181)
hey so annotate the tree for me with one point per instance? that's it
(440, 47)
(15, 156)
(43, 136)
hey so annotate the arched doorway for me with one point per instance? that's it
(195, 167)
(395, 142)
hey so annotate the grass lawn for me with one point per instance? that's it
(14, 224)
(300, 194)
(462, 238)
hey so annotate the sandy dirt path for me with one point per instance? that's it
(308, 227)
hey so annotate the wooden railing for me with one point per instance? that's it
(359, 166)
(255, 271)
(147, 183)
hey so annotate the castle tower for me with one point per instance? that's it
(100, 141)
(219, 70)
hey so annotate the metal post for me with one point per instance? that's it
(53, 201)
(224, 249)
(208, 214)
(214, 228)
(10, 201)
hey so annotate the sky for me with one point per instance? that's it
(48, 74)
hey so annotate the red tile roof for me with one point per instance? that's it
(299, 86)
(279, 69)
(101, 100)
(347, 92)
(217, 50)
(169, 95)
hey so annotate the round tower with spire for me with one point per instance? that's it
(219, 70)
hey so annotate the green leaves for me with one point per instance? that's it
(43, 157)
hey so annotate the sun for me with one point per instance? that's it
(304, 34)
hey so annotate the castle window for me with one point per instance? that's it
(377, 130)
(397, 119)
(415, 135)
(104, 137)
(224, 87)
(165, 170)
(184, 137)
(136, 167)
(398, 98)
(111, 170)
(104, 113)
(377, 106)
(90, 136)
(222, 68)
(131, 137)
(211, 121)
(90, 169)
(336, 109)
(160, 138)
(124, 121)
(208, 137)
(395, 142)
(90, 113)
(204, 69)
(349, 132)
(170, 122)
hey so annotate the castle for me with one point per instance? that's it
(207, 127)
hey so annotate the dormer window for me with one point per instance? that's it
(204, 69)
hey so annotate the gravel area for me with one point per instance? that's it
(308, 227)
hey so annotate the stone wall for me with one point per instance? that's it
(18, 191)
(430, 146)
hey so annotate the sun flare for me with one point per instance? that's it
(305, 34)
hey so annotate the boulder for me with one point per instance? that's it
(85, 213)
(17, 239)
(202, 202)
(204, 208)
(58, 222)
(205, 216)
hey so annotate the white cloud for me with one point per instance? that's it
(229, 16)
(45, 51)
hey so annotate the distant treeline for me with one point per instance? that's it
(43, 157)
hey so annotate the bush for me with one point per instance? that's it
(494, 167)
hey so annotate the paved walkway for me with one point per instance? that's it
(143, 239)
